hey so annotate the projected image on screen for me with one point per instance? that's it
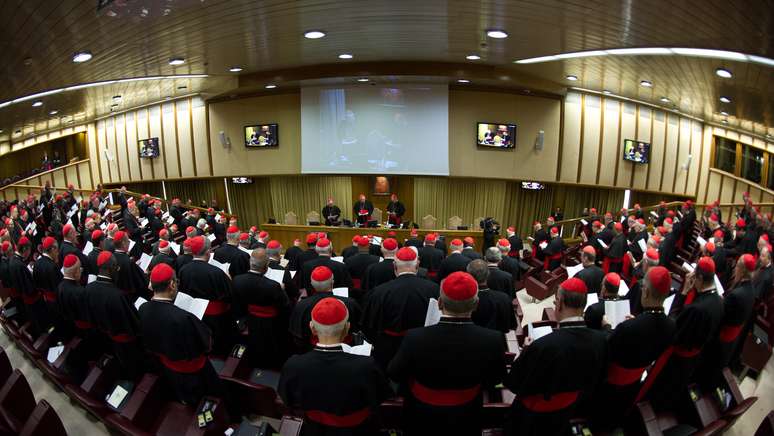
(375, 129)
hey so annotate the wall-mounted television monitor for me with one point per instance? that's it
(496, 135)
(149, 148)
(636, 151)
(533, 186)
(262, 135)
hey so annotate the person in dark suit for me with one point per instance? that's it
(430, 257)
(595, 313)
(469, 248)
(323, 248)
(308, 254)
(456, 261)
(230, 253)
(357, 264)
(352, 249)
(449, 402)
(414, 240)
(591, 274)
(495, 309)
(362, 210)
(498, 280)
(381, 272)
(509, 263)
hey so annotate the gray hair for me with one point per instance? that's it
(259, 261)
(324, 250)
(493, 255)
(323, 286)
(459, 307)
(332, 330)
(573, 300)
(478, 269)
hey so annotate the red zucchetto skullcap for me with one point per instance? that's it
(406, 254)
(329, 311)
(253, 229)
(112, 226)
(589, 249)
(618, 227)
(669, 221)
(661, 230)
(613, 278)
(430, 237)
(414, 232)
(273, 245)
(554, 230)
(5, 247)
(104, 257)
(749, 262)
(321, 274)
(574, 284)
(311, 238)
(392, 233)
(163, 232)
(660, 279)
(511, 229)
(48, 242)
(456, 242)
(593, 210)
(161, 273)
(657, 239)
(119, 236)
(96, 235)
(714, 217)
(163, 244)
(641, 221)
(190, 229)
(740, 223)
(263, 234)
(710, 247)
(58, 198)
(356, 239)
(211, 211)
(23, 241)
(232, 229)
(197, 244)
(323, 243)
(363, 241)
(469, 240)
(652, 254)
(706, 264)
(671, 213)
(503, 243)
(390, 244)
(596, 224)
(320, 235)
(244, 236)
(765, 237)
(718, 234)
(459, 286)
(69, 260)
(67, 229)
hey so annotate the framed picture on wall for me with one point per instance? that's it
(382, 185)
(262, 135)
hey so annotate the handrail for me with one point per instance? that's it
(743, 180)
(167, 202)
(644, 209)
(20, 183)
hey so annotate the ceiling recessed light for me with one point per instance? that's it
(463, 81)
(345, 56)
(572, 78)
(176, 61)
(182, 87)
(235, 69)
(82, 56)
(724, 113)
(314, 34)
(473, 57)
(270, 86)
(664, 100)
(724, 121)
(363, 79)
(37, 103)
(17, 132)
(496, 33)
(53, 112)
(724, 99)
(606, 92)
(1, 131)
(646, 83)
(724, 73)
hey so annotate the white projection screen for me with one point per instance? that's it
(375, 129)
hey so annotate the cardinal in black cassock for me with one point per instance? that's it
(362, 210)
(331, 213)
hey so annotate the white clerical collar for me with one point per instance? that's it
(46, 255)
(406, 273)
(572, 319)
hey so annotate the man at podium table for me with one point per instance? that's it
(362, 210)
(331, 213)
(395, 211)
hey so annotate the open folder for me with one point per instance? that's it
(616, 311)
(538, 332)
(196, 306)
(433, 315)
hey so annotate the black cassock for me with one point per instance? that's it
(181, 261)
(398, 210)
(302, 258)
(592, 276)
(331, 214)
(553, 252)
(378, 273)
(634, 247)
(71, 300)
(161, 258)
(239, 260)
(339, 393)
(512, 266)
(68, 248)
(341, 277)
(391, 309)
(364, 205)
(614, 254)
(471, 253)
(540, 237)
(20, 282)
(291, 254)
(46, 275)
(181, 343)
(494, 311)
(291, 289)
(349, 251)
(201, 280)
(267, 307)
(302, 314)
(452, 263)
(357, 266)
(553, 376)
(500, 280)
(430, 258)
(112, 313)
(447, 402)
(666, 250)
(90, 266)
(130, 278)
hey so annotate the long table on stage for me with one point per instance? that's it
(342, 236)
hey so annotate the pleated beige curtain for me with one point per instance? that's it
(198, 191)
(467, 198)
(524, 206)
(573, 199)
(252, 202)
(303, 194)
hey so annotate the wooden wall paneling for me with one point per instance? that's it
(645, 134)
(59, 178)
(571, 141)
(132, 150)
(694, 151)
(712, 192)
(143, 132)
(169, 150)
(608, 153)
(122, 151)
(683, 143)
(656, 151)
(154, 131)
(102, 143)
(84, 172)
(703, 165)
(110, 140)
(96, 169)
(581, 138)
(199, 137)
(670, 152)
(628, 131)
(186, 154)
(71, 175)
(728, 193)
(592, 108)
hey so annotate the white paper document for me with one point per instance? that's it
(246, 250)
(643, 245)
(223, 266)
(139, 302)
(143, 222)
(591, 299)
(175, 247)
(584, 222)
(719, 286)
(54, 353)
(144, 261)
(433, 315)
(363, 349)
(572, 270)
(702, 242)
(91, 278)
(88, 248)
(110, 198)
(117, 397)
(623, 289)
(275, 274)
(341, 292)
(103, 205)
(131, 245)
(538, 332)
(196, 306)
(689, 267)
(339, 259)
(512, 342)
(211, 237)
(616, 311)
(655, 215)
(668, 303)
(543, 245)
(376, 240)
(601, 243)
(170, 220)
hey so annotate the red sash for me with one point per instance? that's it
(352, 420)
(356, 283)
(215, 308)
(31, 299)
(184, 366)
(122, 338)
(262, 311)
(619, 376)
(687, 353)
(443, 397)
(83, 325)
(49, 296)
(730, 332)
(394, 333)
(653, 374)
(608, 260)
(627, 265)
(538, 403)
(548, 259)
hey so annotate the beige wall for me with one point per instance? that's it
(78, 173)
(729, 189)
(7, 147)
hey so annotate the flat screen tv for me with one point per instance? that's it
(149, 148)
(496, 135)
(636, 151)
(262, 135)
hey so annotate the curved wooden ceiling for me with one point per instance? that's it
(131, 38)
